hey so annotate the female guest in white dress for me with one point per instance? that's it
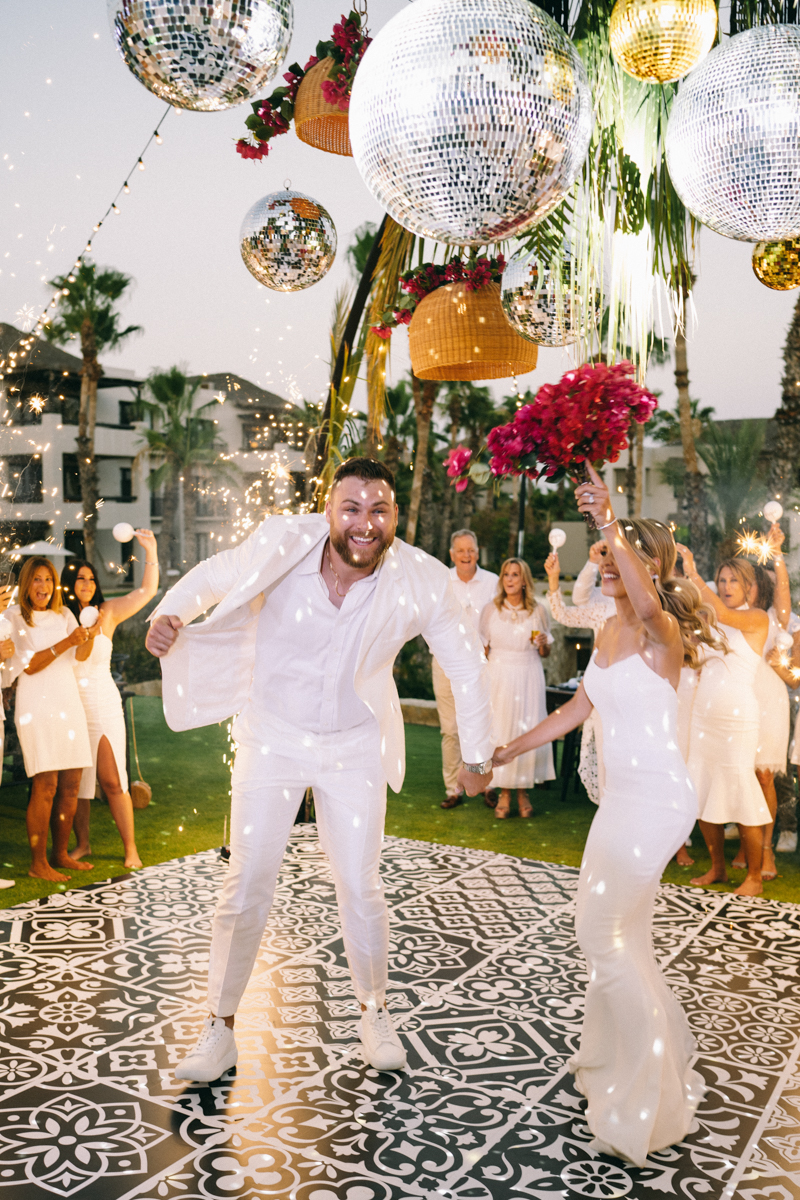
(49, 715)
(515, 630)
(633, 1063)
(6, 652)
(589, 614)
(723, 740)
(100, 695)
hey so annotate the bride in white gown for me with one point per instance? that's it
(634, 1060)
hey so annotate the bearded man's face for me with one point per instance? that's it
(363, 518)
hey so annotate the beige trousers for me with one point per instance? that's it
(451, 747)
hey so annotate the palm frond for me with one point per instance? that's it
(397, 248)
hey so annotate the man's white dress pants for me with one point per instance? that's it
(274, 765)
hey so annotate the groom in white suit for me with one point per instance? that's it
(311, 612)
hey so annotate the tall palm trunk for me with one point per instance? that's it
(87, 420)
(785, 441)
(168, 543)
(694, 492)
(424, 392)
(189, 521)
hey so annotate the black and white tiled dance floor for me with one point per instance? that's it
(101, 990)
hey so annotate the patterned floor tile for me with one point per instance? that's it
(102, 991)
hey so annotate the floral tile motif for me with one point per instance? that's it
(102, 990)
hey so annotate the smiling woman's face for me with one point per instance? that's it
(610, 582)
(40, 589)
(85, 586)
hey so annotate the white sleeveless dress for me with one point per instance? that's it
(773, 705)
(633, 1063)
(723, 740)
(102, 704)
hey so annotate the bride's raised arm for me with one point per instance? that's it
(593, 497)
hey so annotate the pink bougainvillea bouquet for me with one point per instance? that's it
(585, 417)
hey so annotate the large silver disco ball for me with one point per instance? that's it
(202, 54)
(470, 119)
(733, 139)
(288, 241)
(539, 301)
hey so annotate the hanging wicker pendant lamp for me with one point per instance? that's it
(316, 122)
(455, 334)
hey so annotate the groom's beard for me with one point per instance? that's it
(358, 556)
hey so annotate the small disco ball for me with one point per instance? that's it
(470, 119)
(733, 139)
(659, 41)
(288, 241)
(777, 265)
(202, 55)
(539, 304)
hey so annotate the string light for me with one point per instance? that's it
(140, 165)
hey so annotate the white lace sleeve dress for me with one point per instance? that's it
(516, 678)
(102, 705)
(48, 713)
(591, 615)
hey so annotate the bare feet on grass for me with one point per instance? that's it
(132, 862)
(750, 887)
(710, 877)
(72, 864)
(682, 858)
(769, 868)
(48, 873)
(81, 852)
(739, 863)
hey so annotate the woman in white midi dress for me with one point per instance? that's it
(102, 703)
(634, 1061)
(723, 740)
(48, 714)
(515, 630)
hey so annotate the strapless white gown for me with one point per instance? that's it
(102, 704)
(633, 1064)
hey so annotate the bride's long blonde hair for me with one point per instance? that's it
(697, 621)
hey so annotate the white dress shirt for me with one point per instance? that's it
(475, 595)
(307, 650)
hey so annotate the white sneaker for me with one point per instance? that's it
(731, 832)
(214, 1054)
(382, 1046)
(787, 842)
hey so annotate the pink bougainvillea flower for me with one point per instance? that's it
(244, 148)
(457, 462)
(381, 331)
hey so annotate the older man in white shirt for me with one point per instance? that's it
(310, 614)
(474, 588)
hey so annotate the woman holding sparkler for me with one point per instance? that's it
(634, 1060)
(515, 630)
(725, 724)
(100, 696)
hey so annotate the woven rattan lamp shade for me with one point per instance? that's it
(456, 334)
(316, 122)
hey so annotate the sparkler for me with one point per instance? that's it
(755, 545)
(36, 403)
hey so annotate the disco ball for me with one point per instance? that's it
(202, 55)
(539, 304)
(733, 139)
(470, 119)
(288, 241)
(777, 264)
(659, 41)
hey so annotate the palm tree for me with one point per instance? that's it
(731, 451)
(182, 437)
(86, 311)
(694, 492)
(424, 392)
(784, 444)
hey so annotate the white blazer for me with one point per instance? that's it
(208, 672)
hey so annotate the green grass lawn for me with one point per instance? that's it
(190, 785)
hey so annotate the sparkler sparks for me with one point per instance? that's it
(36, 403)
(754, 545)
(26, 316)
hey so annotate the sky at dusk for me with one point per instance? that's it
(74, 121)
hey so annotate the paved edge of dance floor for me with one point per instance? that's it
(102, 991)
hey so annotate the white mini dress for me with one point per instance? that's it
(105, 717)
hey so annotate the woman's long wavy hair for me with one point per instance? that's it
(655, 546)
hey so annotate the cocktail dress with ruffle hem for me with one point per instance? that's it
(634, 1060)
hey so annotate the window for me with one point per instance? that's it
(620, 479)
(70, 478)
(203, 546)
(157, 504)
(126, 558)
(23, 479)
(128, 412)
(73, 541)
(125, 483)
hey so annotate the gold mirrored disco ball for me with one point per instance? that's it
(538, 302)
(659, 41)
(470, 119)
(287, 241)
(733, 138)
(777, 264)
(201, 55)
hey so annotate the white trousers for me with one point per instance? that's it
(273, 768)
(451, 747)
